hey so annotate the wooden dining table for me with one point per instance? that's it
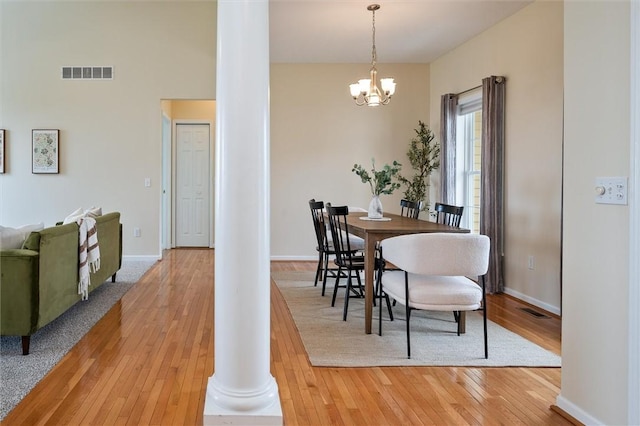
(373, 231)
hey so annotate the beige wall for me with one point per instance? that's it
(318, 134)
(595, 368)
(110, 131)
(526, 48)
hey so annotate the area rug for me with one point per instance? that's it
(19, 373)
(332, 342)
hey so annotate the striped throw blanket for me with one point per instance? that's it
(89, 253)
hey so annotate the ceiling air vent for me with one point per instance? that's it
(87, 73)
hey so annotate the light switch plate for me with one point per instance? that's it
(611, 190)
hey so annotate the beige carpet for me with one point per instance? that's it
(330, 341)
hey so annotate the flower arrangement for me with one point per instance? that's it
(380, 181)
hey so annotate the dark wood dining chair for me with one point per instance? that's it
(349, 260)
(410, 208)
(324, 246)
(448, 214)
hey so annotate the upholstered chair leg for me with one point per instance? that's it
(408, 309)
(484, 317)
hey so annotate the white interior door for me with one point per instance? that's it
(192, 185)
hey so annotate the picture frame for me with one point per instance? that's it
(45, 151)
(2, 152)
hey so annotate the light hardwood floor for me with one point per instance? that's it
(148, 360)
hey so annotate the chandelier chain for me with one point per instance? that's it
(374, 56)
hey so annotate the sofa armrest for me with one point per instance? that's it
(19, 296)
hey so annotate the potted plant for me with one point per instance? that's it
(424, 156)
(380, 182)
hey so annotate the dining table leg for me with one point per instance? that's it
(369, 266)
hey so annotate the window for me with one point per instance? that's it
(469, 158)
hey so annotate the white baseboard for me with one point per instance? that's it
(577, 412)
(535, 302)
(141, 258)
(294, 258)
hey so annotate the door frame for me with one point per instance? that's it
(174, 125)
(633, 414)
(166, 184)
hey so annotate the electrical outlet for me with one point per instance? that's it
(136, 232)
(531, 262)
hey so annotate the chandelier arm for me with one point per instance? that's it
(364, 102)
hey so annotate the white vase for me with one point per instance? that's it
(375, 208)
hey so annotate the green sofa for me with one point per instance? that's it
(39, 282)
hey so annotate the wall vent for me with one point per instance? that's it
(534, 313)
(87, 73)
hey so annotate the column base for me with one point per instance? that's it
(268, 411)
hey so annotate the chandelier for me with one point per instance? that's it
(366, 91)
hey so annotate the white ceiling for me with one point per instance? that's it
(407, 31)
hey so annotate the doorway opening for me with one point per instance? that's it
(187, 203)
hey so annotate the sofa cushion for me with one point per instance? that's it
(13, 238)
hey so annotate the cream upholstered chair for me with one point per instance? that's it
(435, 273)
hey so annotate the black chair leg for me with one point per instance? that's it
(326, 272)
(486, 345)
(360, 288)
(335, 288)
(456, 315)
(484, 317)
(319, 268)
(379, 294)
(386, 297)
(347, 296)
(408, 334)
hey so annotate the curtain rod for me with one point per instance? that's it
(468, 90)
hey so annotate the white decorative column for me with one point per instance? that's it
(242, 389)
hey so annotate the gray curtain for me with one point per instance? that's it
(448, 114)
(491, 210)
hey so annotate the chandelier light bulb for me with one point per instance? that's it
(366, 91)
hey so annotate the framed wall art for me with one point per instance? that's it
(2, 151)
(45, 150)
